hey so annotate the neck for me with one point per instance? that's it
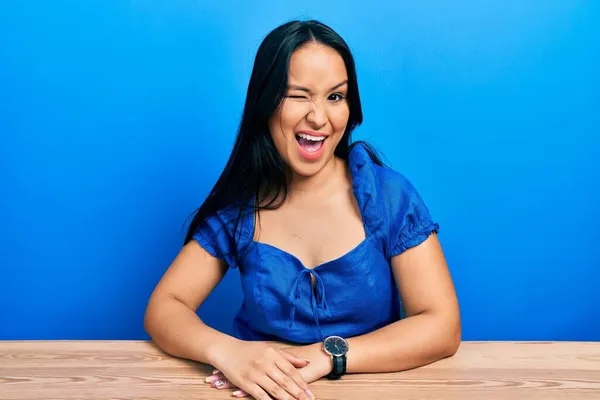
(327, 179)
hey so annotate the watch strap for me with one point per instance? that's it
(339, 367)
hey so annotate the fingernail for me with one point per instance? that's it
(238, 393)
(211, 379)
(308, 392)
(218, 384)
(216, 371)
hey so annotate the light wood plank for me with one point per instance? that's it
(139, 370)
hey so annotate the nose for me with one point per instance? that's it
(317, 116)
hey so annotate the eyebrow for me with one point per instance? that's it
(307, 90)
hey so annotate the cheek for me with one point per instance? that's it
(339, 118)
(282, 126)
(292, 114)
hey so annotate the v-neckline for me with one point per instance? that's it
(320, 266)
(354, 166)
(337, 259)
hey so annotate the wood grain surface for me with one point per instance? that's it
(88, 370)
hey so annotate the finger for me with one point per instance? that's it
(213, 378)
(296, 361)
(223, 384)
(240, 393)
(291, 379)
(297, 389)
(258, 392)
(273, 388)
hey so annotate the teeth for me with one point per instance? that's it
(313, 138)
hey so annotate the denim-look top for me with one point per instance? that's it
(354, 294)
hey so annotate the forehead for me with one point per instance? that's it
(316, 66)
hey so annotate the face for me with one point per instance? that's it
(313, 116)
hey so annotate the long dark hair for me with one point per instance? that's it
(255, 171)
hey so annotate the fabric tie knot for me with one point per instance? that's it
(318, 300)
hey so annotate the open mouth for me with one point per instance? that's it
(311, 144)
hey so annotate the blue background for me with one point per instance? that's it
(117, 117)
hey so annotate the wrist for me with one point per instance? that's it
(337, 348)
(323, 361)
(217, 352)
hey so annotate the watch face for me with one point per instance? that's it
(335, 345)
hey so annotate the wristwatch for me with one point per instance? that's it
(336, 347)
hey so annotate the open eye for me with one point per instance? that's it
(336, 97)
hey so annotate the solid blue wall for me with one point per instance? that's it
(117, 117)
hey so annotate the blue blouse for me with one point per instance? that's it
(355, 293)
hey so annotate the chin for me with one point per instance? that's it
(305, 168)
(306, 171)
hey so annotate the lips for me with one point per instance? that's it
(311, 145)
(314, 134)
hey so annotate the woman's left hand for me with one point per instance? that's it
(319, 366)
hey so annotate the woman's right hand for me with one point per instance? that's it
(263, 371)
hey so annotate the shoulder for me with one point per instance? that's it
(393, 203)
(217, 223)
(410, 220)
(372, 179)
(222, 233)
(393, 184)
(401, 199)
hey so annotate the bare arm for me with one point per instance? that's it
(171, 318)
(431, 331)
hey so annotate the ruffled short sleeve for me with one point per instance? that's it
(215, 235)
(396, 217)
(410, 220)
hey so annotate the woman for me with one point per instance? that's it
(327, 240)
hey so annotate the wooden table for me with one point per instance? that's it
(138, 370)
